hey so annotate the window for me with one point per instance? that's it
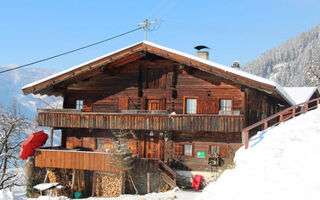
(183, 149)
(100, 144)
(187, 149)
(79, 104)
(191, 106)
(225, 105)
(214, 150)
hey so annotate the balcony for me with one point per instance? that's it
(73, 159)
(72, 118)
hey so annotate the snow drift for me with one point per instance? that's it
(281, 163)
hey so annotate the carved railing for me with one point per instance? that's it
(68, 118)
(277, 118)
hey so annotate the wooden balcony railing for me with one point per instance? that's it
(71, 118)
(277, 118)
(72, 159)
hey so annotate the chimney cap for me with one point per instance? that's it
(200, 47)
(236, 64)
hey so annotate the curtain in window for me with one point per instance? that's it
(187, 150)
(225, 104)
(191, 107)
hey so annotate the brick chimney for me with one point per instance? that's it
(203, 54)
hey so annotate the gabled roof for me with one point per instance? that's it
(301, 94)
(137, 51)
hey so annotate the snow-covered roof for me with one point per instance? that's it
(225, 68)
(300, 94)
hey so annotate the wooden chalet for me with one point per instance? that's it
(180, 109)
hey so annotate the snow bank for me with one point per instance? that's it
(6, 194)
(281, 163)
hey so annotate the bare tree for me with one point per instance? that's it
(314, 68)
(13, 126)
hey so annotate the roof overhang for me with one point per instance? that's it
(50, 85)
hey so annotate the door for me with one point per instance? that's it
(152, 150)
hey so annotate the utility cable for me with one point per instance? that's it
(68, 52)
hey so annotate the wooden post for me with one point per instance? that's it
(293, 111)
(94, 184)
(281, 118)
(123, 182)
(265, 125)
(148, 182)
(51, 136)
(73, 180)
(307, 107)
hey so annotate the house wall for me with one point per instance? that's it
(157, 85)
(162, 84)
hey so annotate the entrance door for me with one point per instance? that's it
(152, 147)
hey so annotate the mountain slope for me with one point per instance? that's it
(287, 64)
(12, 82)
(280, 163)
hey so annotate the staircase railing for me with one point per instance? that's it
(168, 171)
(277, 118)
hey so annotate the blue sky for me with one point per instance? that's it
(235, 30)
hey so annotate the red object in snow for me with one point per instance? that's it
(35, 140)
(196, 181)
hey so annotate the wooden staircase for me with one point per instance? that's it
(277, 118)
(167, 174)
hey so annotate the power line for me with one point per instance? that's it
(68, 52)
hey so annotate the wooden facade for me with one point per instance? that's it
(61, 118)
(177, 108)
(72, 159)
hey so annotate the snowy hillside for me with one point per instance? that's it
(12, 82)
(286, 64)
(281, 163)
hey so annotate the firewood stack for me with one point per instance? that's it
(108, 185)
(64, 178)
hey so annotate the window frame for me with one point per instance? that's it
(79, 104)
(183, 144)
(98, 144)
(231, 108)
(185, 104)
(184, 150)
(216, 145)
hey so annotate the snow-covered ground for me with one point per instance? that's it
(281, 163)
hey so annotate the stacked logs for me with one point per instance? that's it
(64, 178)
(108, 185)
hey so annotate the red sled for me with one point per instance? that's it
(196, 181)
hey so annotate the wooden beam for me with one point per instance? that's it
(51, 136)
(148, 182)
(73, 180)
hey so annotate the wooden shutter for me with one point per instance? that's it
(132, 145)
(143, 102)
(178, 149)
(207, 106)
(123, 103)
(224, 150)
(163, 104)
